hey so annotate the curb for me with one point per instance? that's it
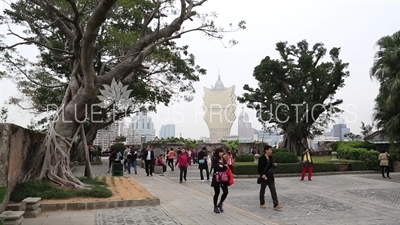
(99, 204)
(314, 174)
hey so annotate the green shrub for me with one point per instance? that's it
(119, 147)
(95, 153)
(285, 157)
(354, 151)
(358, 166)
(284, 168)
(394, 152)
(276, 150)
(244, 158)
(3, 193)
(47, 190)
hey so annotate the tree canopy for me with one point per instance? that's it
(385, 70)
(296, 92)
(85, 45)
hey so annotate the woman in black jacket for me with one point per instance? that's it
(265, 170)
(219, 165)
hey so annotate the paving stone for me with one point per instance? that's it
(390, 195)
(139, 215)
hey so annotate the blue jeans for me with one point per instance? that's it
(132, 164)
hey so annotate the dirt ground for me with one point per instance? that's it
(123, 188)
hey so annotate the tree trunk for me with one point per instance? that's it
(78, 149)
(88, 165)
(52, 160)
(294, 145)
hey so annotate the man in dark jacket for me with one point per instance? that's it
(148, 157)
(265, 170)
(203, 164)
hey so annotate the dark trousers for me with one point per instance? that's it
(183, 172)
(308, 169)
(383, 168)
(207, 172)
(125, 164)
(271, 185)
(171, 164)
(217, 190)
(149, 167)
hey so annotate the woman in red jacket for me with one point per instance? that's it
(184, 161)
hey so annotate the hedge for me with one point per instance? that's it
(244, 158)
(353, 151)
(283, 168)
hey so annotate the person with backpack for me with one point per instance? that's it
(131, 157)
(203, 163)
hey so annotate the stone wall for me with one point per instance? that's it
(17, 148)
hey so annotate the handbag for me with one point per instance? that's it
(259, 178)
(202, 161)
(221, 177)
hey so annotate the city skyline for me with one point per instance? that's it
(351, 31)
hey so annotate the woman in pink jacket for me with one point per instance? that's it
(184, 161)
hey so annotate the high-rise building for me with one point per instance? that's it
(245, 130)
(339, 130)
(141, 125)
(167, 131)
(220, 107)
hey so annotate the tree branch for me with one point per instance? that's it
(28, 41)
(95, 21)
(77, 26)
(146, 44)
(30, 79)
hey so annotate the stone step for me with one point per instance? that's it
(16, 207)
(12, 217)
(32, 200)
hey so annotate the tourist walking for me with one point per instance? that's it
(127, 150)
(148, 157)
(307, 163)
(230, 160)
(220, 179)
(265, 170)
(384, 163)
(171, 156)
(132, 156)
(183, 161)
(203, 163)
(194, 156)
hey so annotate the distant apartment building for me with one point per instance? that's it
(167, 131)
(141, 125)
(105, 137)
(271, 138)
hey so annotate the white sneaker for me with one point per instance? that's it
(202, 181)
(209, 180)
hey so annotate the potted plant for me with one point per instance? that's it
(342, 166)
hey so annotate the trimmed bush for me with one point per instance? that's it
(244, 158)
(353, 150)
(285, 157)
(47, 190)
(3, 193)
(119, 147)
(250, 168)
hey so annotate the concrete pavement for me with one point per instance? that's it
(341, 199)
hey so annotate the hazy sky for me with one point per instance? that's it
(355, 26)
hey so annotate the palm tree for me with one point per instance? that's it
(386, 69)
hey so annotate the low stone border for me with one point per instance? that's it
(314, 174)
(99, 204)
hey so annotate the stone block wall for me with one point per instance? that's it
(17, 149)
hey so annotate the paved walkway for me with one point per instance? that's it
(339, 199)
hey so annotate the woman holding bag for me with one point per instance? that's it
(220, 179)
